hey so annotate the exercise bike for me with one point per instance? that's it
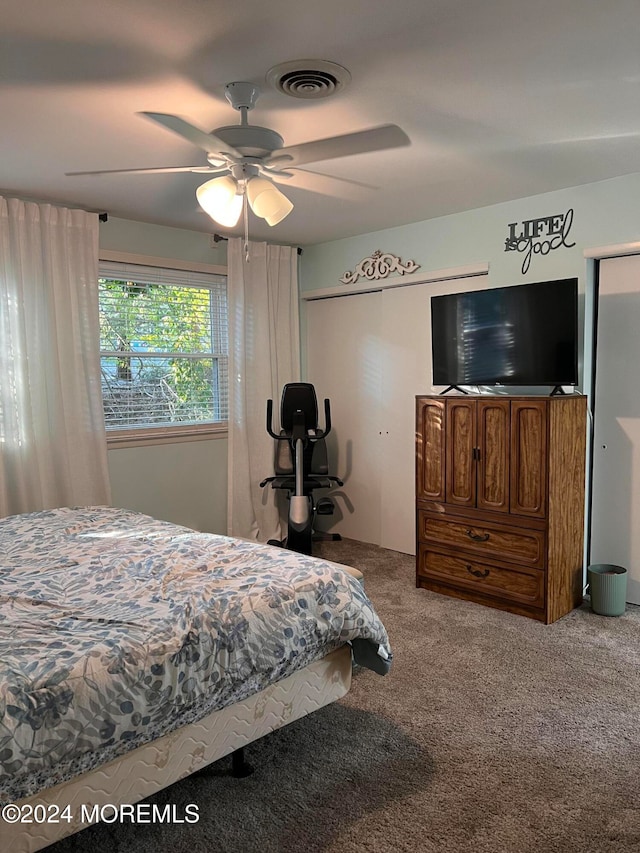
(301, 464)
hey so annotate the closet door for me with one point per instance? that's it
(615, 508)
(370, 353)
(406, 372)
(344, 358)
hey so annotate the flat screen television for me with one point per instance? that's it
(521, 335)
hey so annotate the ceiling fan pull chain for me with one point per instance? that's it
(245, 212)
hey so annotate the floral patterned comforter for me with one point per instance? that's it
(116, 628)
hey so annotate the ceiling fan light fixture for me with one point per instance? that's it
(278, 214)
(257, 187)
(267, 201)
(219, 198)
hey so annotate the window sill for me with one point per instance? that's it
(165, 435)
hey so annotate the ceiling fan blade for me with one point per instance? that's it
(336, 178)
(328, 185)
(207, 141)
(205, 170)
(375, 139)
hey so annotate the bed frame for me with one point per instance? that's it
(155, 765)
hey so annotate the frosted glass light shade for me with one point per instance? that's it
(267, 201)
(279, 213)
(218, 198)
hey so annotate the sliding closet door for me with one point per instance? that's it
(406, 372)
(371, 354)
(344, 362)
(615, 514)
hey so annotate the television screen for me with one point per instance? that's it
(521, 335)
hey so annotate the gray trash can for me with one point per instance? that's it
(607, 588)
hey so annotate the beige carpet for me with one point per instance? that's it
(492, 734)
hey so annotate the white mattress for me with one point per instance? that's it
(151, 767)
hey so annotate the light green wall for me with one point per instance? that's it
(141, 238)
(605, 212)
(185, 482)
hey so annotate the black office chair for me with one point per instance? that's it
(301, 465)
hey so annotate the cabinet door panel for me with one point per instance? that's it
(528, 457)
(493, 463)
(430, 449)
(460, 457)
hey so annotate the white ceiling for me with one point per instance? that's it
(501, 99)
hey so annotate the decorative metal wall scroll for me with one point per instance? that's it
(379, 265)
(539, 236)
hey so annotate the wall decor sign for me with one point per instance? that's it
(539, 236)
(379, 265)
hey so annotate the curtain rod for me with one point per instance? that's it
(217, 238)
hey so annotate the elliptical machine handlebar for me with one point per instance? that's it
(270, 423)
(327, 418)
(319, 432)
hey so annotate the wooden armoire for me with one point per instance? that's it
(500, 500)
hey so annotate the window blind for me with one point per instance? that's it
(163, 346)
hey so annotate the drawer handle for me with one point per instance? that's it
(478, 573)
(476, 537)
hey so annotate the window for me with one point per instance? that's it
(163, 347)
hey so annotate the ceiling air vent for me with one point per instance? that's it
(308, 78)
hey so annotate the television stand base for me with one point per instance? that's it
(455, 388)
(557, 391)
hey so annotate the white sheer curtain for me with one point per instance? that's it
(52, 439)
(264, 354)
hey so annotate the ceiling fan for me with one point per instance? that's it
(247, 159)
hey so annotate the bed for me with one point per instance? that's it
(134, 652)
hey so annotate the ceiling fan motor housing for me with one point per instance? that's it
(250, 140)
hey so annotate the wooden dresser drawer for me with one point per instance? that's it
(520, 584)
(487, 538)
